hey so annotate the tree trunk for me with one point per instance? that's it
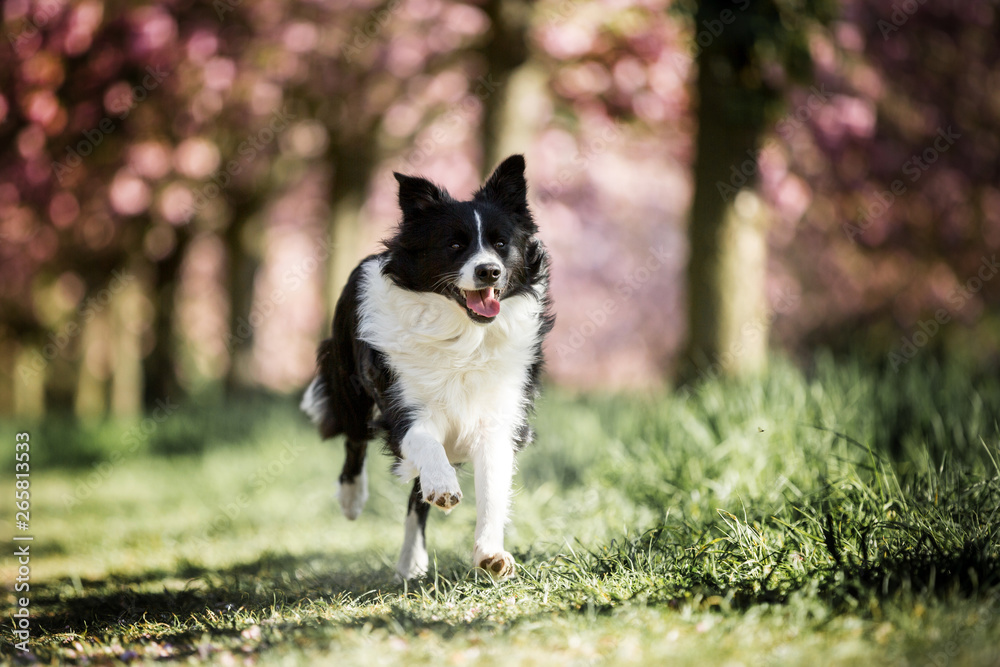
(30, 369)
(727, 326)
(241, 270)
(159, 369)
(515, 89)
(353, 160)
(126, 373)
(9, 350)
(90, 399)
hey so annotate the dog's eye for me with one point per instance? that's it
(456, 246)
(499, 244)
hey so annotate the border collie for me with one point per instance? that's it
(437, 344)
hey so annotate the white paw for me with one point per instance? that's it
(499, 564)
(412, 566)
(440, 487)
(354, 495)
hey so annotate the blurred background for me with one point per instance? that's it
(184, 186)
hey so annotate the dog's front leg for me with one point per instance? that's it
(494, 470)
(421, 448)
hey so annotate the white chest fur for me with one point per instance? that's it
(465, 378)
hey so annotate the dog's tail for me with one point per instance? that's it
(338, 400)
(314, 400)
(317, 400)
(326, 406)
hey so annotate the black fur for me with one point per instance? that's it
(354, 379)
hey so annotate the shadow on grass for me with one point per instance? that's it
(275, 580)
(185, 608)
(846, 577)
(317, 597)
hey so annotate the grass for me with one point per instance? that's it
(833, 516)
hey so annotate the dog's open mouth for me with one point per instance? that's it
(483, 302)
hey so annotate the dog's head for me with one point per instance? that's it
(475, 252)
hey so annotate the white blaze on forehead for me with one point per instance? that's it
(467, 275)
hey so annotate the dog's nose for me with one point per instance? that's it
(488, 273)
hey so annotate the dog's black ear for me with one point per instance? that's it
(416, 195)
(506, 187)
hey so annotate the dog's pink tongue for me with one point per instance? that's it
(483, 302)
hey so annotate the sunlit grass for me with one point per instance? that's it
(836, 516)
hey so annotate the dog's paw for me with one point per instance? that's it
(441, 488)
(411, 566)
(499, 565)
(353, 496)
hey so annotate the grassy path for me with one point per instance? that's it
(846, 517)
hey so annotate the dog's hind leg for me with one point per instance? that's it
(413, 558)
(354, 480)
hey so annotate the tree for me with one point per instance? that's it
(735, 44)
(504, 130)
